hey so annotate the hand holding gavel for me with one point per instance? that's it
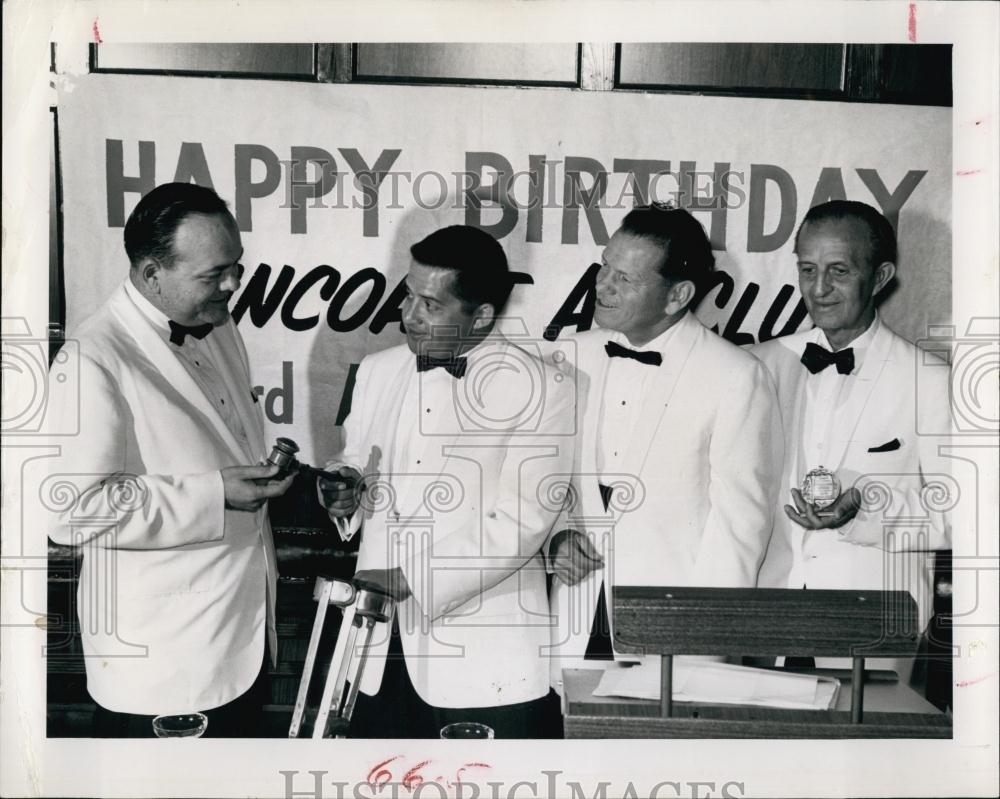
(338, 489)
(247, 488)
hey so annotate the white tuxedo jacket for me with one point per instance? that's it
(175, 591)
(898, 403)
(467, 529)
(699, 480)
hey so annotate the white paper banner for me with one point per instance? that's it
(327, 243)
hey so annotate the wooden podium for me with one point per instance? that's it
(758, 622)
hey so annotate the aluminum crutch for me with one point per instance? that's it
(363, 608)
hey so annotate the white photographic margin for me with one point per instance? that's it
(964, 766)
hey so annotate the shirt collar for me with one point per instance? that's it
(490, 340)
(487, 344)
(860, 345)
(150, 311)
(658, 344)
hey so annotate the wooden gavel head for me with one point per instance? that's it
(283, 455)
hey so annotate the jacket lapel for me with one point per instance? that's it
(168, 364)
(595, 365)
(385, 421)
(791, 384)
(860, 392)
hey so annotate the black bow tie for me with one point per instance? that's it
(179, 332)
(454, 366)
(816, 358)
(648, 357)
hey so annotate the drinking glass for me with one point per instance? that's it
(185, 725)
(466, 729)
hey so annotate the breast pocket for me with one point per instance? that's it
(888, 462)
(888, 446)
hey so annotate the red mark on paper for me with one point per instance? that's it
(412, 779)
(380, 775)
(967, 683)
(458, 774)
(911, 27)
(963, 172)
(97, 33)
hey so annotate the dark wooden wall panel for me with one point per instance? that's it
(785, 67)
(289, 60)
(505, 63)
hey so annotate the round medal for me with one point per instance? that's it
(820, 487)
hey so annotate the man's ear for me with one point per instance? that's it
(149, 274)
(883, 274)
(680, 296)
(483, 316)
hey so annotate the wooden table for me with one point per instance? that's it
(892, 710)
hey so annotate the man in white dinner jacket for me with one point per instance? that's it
(852, 403)
(452, 434)
(177, 588)
(681, 441)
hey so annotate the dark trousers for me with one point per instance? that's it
(397, 711)
(241, 718)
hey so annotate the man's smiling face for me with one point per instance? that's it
(632, 295)
(837, 279)
(198, 284)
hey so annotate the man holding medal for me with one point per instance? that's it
(861, 458)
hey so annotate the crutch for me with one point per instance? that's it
(362, 609)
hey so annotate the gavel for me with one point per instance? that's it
(283, 456)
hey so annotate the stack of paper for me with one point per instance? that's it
(697, 680)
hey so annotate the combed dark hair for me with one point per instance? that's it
(687, 252)
(881, 236)
(482, 275)
(150, 229)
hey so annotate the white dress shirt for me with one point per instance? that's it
(429, 406)
(194, 356)
(428, 397)
(625, 385)
(826, 393)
